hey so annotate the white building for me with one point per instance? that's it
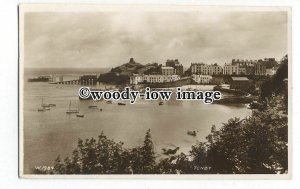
(213, 69)
(135, 79)
(202, 79)
(260, 68)
(196, 68)
(166, 70)
(230, 69)
(204, 69)
(160, 78)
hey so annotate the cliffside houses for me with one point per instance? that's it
(178, 68)
(166, 70)
(168, 73)
(233, 73)
(251, 67)
(230, 69)
(204, 69)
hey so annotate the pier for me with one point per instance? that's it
(76, 82)
(83, 80)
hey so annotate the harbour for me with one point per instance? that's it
(53, 132)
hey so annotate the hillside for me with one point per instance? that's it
(121, 74)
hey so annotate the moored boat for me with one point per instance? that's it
(93, 107)
(47, 105)
(121, 104)
(44, 106)
(70, 111)
(192, 133)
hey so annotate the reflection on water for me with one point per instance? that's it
(49, 133)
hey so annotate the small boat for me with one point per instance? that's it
(93, 107)
(192, 133)
(43, 104)
(70, 111)
(161, 103)
(121, 104)
(79, 115)
(47, 105)
(44, 107)
(109, 102)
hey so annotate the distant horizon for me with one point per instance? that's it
(66, 68)
(276, 59)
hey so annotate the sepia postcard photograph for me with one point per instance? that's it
(172, 91)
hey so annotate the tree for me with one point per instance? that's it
(59, 167)
(148, 155)
(276, 84)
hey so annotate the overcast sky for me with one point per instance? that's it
(110, 39)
